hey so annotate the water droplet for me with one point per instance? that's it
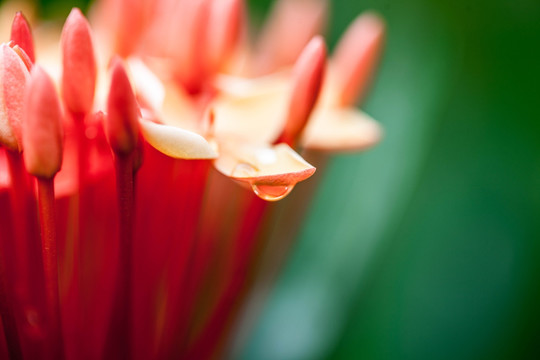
(271, 192)
(243, 170)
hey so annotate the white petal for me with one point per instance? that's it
(176, 142)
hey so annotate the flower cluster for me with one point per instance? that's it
(121, 232)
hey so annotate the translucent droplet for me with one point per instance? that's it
(242, 170)
(272, 193)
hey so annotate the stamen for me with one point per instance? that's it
(307, 80)
(356, 57)
(21, 35)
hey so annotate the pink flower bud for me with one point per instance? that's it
(357, 55)
(13, 75)
(21, 35)
(79, 64)
(42, 126)
(307, 79)
(122, 121)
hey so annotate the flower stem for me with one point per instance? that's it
(118, 339)
(50, 264)
(8, 317)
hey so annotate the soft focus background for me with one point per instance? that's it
(428, 246)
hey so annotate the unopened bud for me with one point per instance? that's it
(42, 126)
(308, 75)
(13, 76)
(356, 57)
(21, 35)
(79, 64)
(122, 121)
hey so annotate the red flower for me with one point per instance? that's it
(122, 234)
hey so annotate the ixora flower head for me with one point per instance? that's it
(138, 165)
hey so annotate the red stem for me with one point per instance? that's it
(50, 264)
(25, 277)
(118, 340)
(208, 343)
(8, 317)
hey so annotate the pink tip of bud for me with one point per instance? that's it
(79, 64)
(122, 121)
(308, 75)
(21, 35)
(42, 126)
(357, 55)
(13, 75)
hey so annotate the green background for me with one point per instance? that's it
(425, 247)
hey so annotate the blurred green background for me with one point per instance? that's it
(426, 247)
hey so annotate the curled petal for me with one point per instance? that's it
(356, 57)
(42, 126)
(13, 75)
(271, 171)
(79, 64)
(176, 142)
(122, 126)
(341, 130)
(21, 34)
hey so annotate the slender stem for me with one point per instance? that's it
(8, 317)
(50, 264)
(25, 273)
(118, 339)
(208, 344)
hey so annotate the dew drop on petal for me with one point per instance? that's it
(272, 192)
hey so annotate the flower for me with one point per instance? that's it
(123, 235)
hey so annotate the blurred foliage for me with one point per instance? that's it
(426, 247)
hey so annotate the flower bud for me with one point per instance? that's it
(42, 126)
(21, 35)
(307, 79)
(13, 75)
(357, 55)
(79, 64)
(122, 121)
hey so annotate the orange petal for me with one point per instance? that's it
(21, 34)
(356, 57)
(42, 126)
(341, 130)
(271, 171)
(121, 125)
(13, 75)
(79, 64)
